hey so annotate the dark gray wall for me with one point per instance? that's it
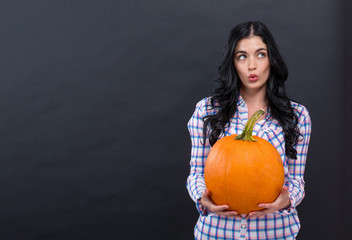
(346, 162)
(95, 97)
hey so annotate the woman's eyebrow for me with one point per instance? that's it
(258, 50)
(240, 51)
(261, 49)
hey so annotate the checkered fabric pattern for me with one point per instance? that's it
(283, 224)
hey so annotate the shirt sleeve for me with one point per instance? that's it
(199, 152)
(296, 167)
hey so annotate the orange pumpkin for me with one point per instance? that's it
(242, 171)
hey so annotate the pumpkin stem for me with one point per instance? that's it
(246, 135)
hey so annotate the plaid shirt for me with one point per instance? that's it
(282, 224)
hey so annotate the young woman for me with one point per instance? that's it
(251, 76)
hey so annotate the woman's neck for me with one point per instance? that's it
(255, 98)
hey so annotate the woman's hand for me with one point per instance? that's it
(282, 201)
(217, 209)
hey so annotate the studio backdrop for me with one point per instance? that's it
(95, 97)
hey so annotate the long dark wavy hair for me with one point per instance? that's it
(225, 97)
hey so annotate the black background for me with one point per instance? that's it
(95, 97)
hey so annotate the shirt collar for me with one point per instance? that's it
(240, 101)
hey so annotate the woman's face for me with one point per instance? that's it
(252, 63)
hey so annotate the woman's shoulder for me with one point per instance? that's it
(301, 111)
(204, 107)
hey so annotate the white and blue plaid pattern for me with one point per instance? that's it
(283, 224)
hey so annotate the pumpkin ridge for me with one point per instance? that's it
(226, 181)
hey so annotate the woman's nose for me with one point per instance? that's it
(252, 65)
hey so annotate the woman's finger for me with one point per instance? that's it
(219, 208)
(258, 213)
(228, 213)
(265, 205)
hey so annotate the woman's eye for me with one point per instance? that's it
(241, 57)
(261, 55)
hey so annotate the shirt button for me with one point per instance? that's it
(243, 226)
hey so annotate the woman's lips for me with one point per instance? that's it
(253, 77)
